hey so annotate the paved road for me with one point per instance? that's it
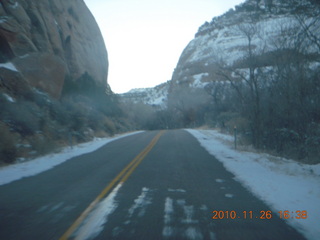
(168, 191)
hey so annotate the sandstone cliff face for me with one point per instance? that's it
(46, 40)
(225, 40)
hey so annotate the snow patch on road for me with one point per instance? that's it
(283, 184)
(188, 214)
(193, 233)
(204, 208)
(56, 207)
(167, 231)
(168, 210)
(33, 167)
(186, 227)
(94, 223)
(229, 195)
(141, 203)
(218, 180)
(176, 190)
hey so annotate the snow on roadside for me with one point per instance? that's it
(281, 183)
(17, 171)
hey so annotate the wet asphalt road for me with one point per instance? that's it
(170, 194)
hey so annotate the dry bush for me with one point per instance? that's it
(242, 124)
(8, 151)
(23, 117)
(109, 126)
(229, 120)
(42, 144)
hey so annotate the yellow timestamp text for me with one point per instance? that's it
(263, 214)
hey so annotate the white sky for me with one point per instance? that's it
(145, 38)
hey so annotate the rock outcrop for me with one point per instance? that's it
(47, 40)
(225, 40)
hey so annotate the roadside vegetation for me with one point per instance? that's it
(32, 123)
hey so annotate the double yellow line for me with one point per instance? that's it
(119, 179)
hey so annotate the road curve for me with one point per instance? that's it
(152, 185)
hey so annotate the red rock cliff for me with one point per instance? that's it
(46, 40)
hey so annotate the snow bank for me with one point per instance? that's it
(282, 184)
(17, 171)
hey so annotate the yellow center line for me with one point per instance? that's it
(120, 178)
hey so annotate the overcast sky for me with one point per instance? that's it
(145, 38)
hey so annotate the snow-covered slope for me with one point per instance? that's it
(156, 96)
(225, 40)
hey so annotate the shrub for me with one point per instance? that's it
(226, 120)
(109, 126)
(42, 144)
(95, 120)
(8, 151)
(23, 117)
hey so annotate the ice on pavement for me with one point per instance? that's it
(281, 183)
(17, 171)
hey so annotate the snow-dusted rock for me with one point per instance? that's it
(224, 41)
(156, 96)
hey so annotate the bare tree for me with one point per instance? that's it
(294, 89)
(309, 27)
(245, 77)
(277, 85)
(187, 104)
